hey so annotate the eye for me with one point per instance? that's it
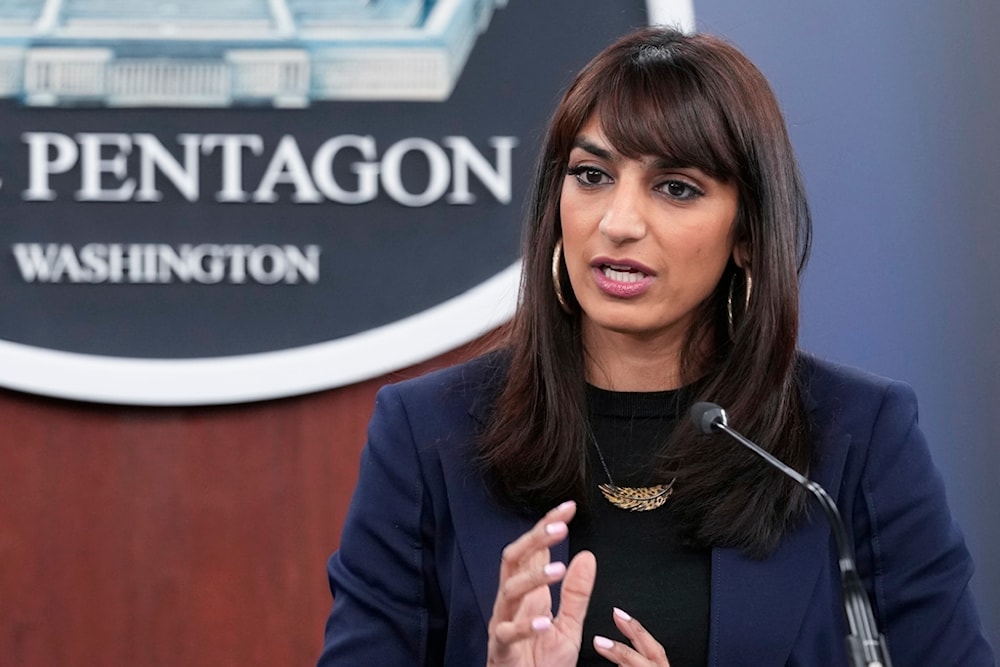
(681, 190)
(587, 176)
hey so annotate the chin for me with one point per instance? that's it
(631, 320)
(626, 326)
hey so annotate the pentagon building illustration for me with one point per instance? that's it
(212, 53)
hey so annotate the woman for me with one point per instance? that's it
(661, 260)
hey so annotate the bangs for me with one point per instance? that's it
(652, 106)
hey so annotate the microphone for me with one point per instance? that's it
(866, 647)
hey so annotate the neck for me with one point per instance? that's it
(623, 362)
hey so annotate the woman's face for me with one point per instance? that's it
(645, 241)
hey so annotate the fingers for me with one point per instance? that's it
(524, 563)
(508, 633)
(642, 641)
(577, 586)
(550, 529)
(645, 650)
(525, 567)
(523, 606)
(513, 589)
(578, 582)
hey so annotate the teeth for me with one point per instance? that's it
(623, 276)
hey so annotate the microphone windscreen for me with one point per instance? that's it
(705, 415)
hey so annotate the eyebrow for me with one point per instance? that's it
(671, 163)
(659, 162)
(592, 148)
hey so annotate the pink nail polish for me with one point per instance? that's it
(556, 528)
(603, 642)
(566, 505)
(554, 569)
(541, 623)
(622, 615)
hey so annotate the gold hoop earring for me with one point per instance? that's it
(557, 277)
(748, 288)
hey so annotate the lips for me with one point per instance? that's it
(621, 278)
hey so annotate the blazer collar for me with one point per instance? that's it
(482, 526)
(758, 606)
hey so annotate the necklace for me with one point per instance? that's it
(632, 498)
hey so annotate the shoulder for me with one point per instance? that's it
(858, 420)
(852, 397)
(464, 377)
(423, 427)
(864, 427)
(871, 455)
(823, 378)
(448, 393)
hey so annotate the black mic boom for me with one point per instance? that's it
(865, 646)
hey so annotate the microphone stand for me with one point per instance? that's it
(866, 647)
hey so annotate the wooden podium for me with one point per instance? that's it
(175, 536)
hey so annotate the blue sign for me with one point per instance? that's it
(212, 204)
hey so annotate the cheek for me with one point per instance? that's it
(571, 236)
(576, 225)
(707, 256)
(718, 241)
(569, 213)
(705, 243)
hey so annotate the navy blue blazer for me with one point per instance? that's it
(417, 570)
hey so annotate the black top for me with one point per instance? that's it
(642, 566)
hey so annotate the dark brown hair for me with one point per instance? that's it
(698, 101)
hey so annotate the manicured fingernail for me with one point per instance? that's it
(554, 569)
(541, 623)
(556, 528)
(566, 505)
(603, 642)
(622, 615)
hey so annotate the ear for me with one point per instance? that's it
(741, 254)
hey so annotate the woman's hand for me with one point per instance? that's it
(522, 631)
(644, 652)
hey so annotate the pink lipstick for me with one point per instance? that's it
(622, 279)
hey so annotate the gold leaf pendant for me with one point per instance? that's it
(637, 499)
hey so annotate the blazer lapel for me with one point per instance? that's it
(482, 530)
(758, 605)
(482, 527)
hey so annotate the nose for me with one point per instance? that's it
(624, 219)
